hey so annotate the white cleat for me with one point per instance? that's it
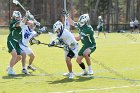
(71, 75)
(10, 71)
(84, 73)
(90, 72)
(66, 74)
(31, 68)
(25, 71)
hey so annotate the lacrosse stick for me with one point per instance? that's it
(49, 44)
(34, 41)
(65, 15)
(17, 3)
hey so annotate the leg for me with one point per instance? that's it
(12, 62)
(86, 55)
(31, 58)
(81, 64)
(23, 60)
(31, 61)
(104, 33)
(24, 70)
(13, 59)
(69, 64)
(98, 34)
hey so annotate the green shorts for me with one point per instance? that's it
(82, 50)
(11, 44)
(100, 29)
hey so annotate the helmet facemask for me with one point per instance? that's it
(57, 27)
(83, 19)
(17, 15)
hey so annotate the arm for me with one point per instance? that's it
(70, 21)
(78, 38)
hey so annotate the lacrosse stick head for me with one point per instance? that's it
(34, 41)
(15, 2)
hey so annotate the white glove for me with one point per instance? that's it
(27, 13)
(98, 27)
(31, 17)
(36, 22)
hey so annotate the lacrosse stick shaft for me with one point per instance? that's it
(65, 14)
(53, 46)
(22, 7)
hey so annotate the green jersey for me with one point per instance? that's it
(100, 22)
(86, 33)
(15, 32)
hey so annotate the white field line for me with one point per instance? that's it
(94, 89)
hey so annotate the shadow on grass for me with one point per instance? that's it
(67, 80)
(17, 76)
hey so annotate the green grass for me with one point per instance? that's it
(118, 53)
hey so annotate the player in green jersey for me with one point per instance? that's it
(89, 45)
(100, 26)
(13, 39)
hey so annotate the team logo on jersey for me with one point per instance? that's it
(27, 34)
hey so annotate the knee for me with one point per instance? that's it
(18, 57)
(78, 60)
(32, 56)
(85, 54)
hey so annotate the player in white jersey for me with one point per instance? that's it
(27, 34)
(66, 38)
(132, 26)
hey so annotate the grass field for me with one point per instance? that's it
(116, 64)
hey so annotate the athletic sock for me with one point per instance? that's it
(24, 68)
(90, 67)
(82, 65)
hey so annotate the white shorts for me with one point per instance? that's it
(25, 49)
(74, 50)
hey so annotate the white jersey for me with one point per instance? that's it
(136, 22)
(69, 39)
(27, 34)
(131, 24)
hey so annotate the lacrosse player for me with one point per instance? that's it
(132, 26)
(100, 26)
(13, 39)
(86, 36)
(136, 25)
(66, 38)
(27, 34)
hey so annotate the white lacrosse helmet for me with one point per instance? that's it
(57, 26)
(99, 17)
(83, 19)
(17, 14)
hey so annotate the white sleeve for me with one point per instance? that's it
(33, 34)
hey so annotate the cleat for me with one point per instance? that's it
(31, 68)
(71, 75)
(84, 73)
(10, 71)
(90, 72)
(66, 74)
(25, 71)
